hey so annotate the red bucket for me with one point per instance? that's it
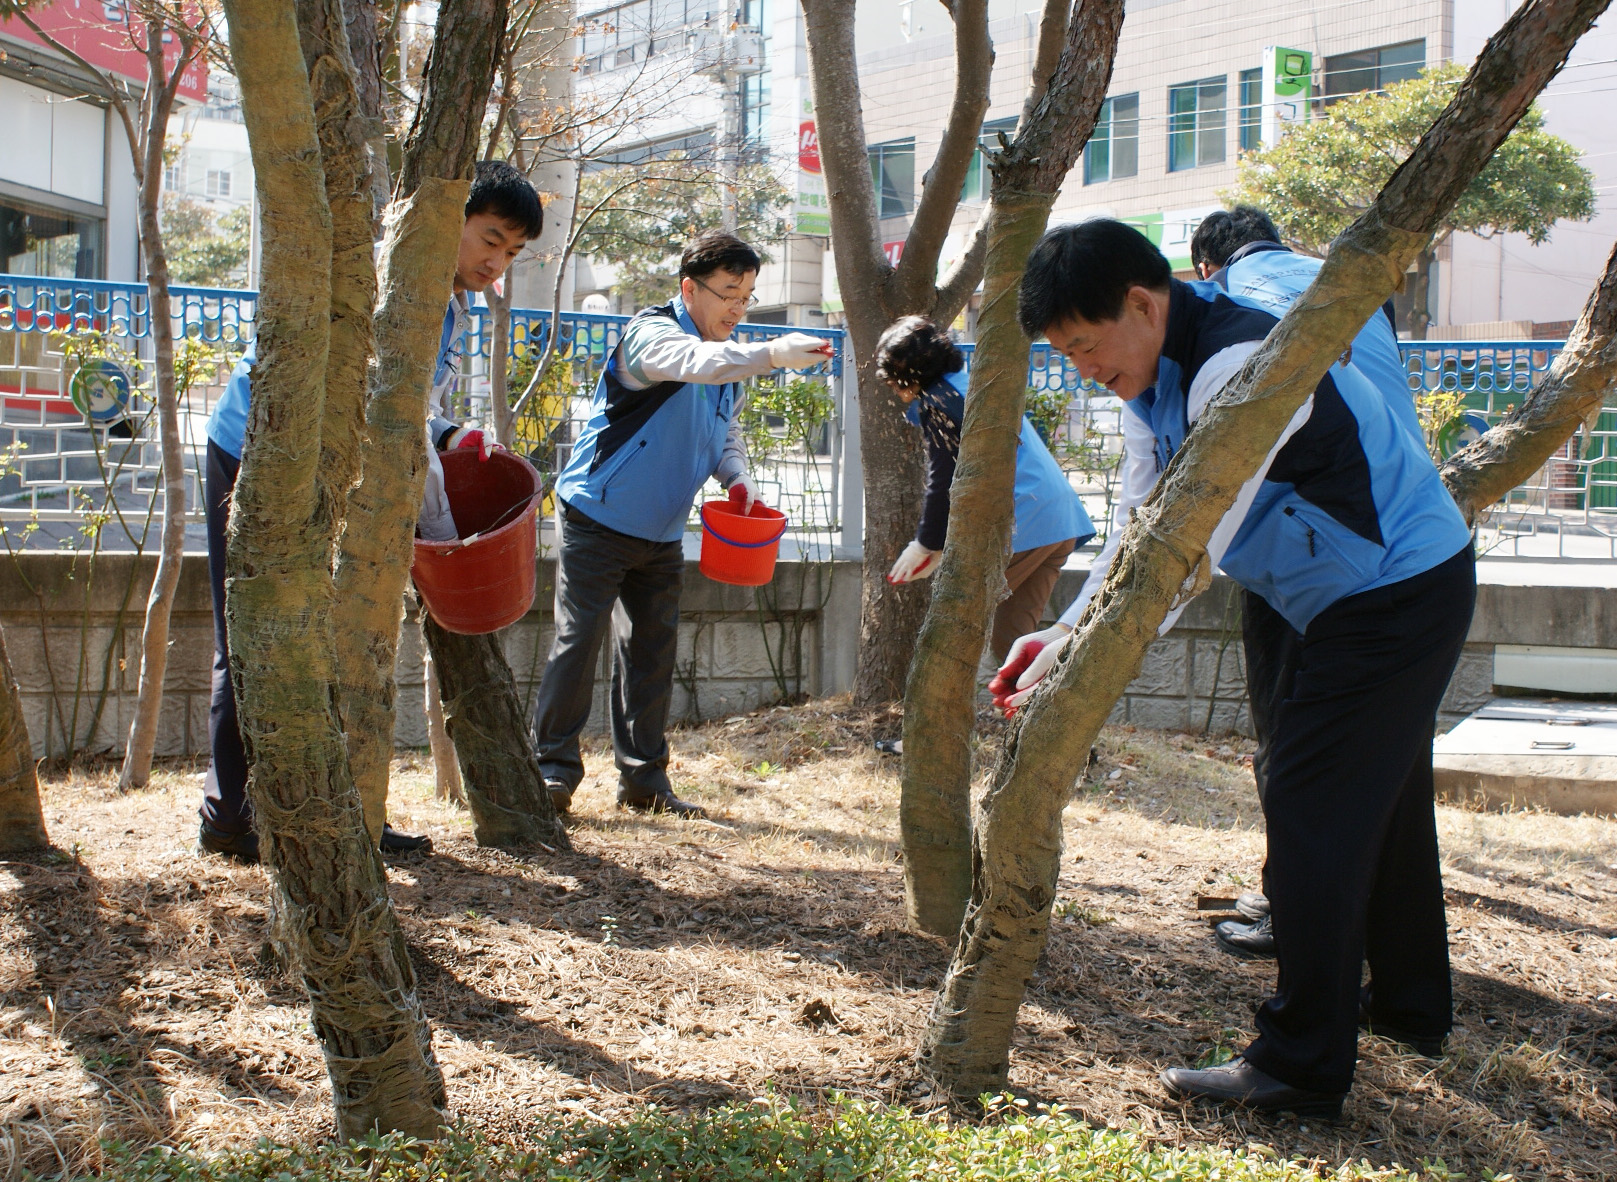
(484, 580)
(740, 548)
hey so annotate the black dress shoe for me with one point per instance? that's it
(661, 802)
(561, 796)
(1251, 941)
(394, 842)
(1252, 905)
(1422, 1044)
(1428, 1045)
(243, 847)
(1238, 1082)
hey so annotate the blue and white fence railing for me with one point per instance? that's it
(806, 480)
(61, 474)
(1567, 509)
(56, 473)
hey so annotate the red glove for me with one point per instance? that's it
(744, 495)
(1003, 684)
(473, 437)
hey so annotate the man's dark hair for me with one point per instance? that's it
(915, 351)
(1085, 271)
(1226, 231)
(717, 251)
(501, 190)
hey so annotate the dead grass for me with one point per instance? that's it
(685, 964)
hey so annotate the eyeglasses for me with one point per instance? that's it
(740, 303)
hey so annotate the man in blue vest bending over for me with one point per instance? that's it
(663, 420)
(1238, 251)
(1347, 532)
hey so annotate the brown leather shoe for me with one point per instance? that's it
(561, 796)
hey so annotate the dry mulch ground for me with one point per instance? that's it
(689, 963)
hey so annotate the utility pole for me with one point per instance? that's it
(729, 56)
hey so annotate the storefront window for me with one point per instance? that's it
(36, 240)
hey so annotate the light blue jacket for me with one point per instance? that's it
(227, 425)
(1047, 509)
(1271, 276)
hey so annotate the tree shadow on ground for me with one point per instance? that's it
(1524, 914)
(460, 1008)
(106, 982)
(1125, 1002)
(599, 899)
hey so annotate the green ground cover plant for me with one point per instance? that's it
(767, 1139)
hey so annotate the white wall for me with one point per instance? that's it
(123, 217)
(1508, 278)
(53, 142)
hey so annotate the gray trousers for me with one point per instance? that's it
(608, 579)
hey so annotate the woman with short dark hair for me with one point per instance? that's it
(916, 358)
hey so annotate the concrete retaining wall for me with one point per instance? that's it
(77, 667)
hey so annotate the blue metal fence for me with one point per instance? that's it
(1574, 497)
(31, 304)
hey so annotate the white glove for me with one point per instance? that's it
(1030, 658)
(798, 350)
(917, 562)
(743, 492)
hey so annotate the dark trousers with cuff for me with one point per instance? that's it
(1352, 867)
(1271, 645)
(609, 580)
(224, 790)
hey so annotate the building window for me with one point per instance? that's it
(39, 240)
(173, 177)
(979, 179)
(1251, 130)
(892, 167)
(218, 182)
(1372, 69)
(1113, 150)
(1196, 124)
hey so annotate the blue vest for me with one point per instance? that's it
(1272, 277)
(644, 454)
(1047, 509)
(227, 425)
(1351, 502)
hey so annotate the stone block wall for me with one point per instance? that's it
(76, 656)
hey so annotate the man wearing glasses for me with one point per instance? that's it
(663, 419)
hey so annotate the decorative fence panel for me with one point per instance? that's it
(73, 472)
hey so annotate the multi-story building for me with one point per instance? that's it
(211, 161)
(1187, 98)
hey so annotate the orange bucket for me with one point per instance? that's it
(484, 580)
(740, 548)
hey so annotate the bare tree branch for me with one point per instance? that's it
(1572, 393)
(940, 189)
